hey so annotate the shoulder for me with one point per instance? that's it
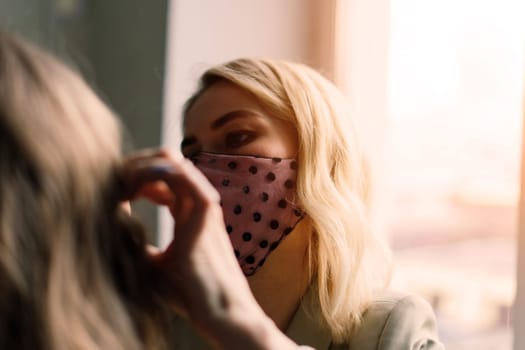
(397, 321)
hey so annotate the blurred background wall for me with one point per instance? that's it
(118, 45)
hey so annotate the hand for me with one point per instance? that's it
(140, 178)
(173, 181)
(198, 272)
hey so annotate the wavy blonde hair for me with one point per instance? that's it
(347, 261)
(73, 271)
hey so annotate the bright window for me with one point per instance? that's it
(452, 174)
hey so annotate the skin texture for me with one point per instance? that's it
(226, 119)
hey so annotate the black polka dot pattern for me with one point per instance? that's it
(258, 202)
(237, 209)
(270, 176)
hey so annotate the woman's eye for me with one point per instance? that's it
(238, 139)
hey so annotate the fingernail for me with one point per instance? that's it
(163, 169)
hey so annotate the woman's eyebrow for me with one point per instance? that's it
(220, 122)
(228, 117)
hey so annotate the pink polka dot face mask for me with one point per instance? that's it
(258, 202)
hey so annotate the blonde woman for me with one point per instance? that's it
(276, 141)
(74, 269)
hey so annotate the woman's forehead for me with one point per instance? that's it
(218, 99)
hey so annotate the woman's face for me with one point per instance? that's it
(227, 119)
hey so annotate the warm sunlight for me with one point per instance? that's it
(455, 113)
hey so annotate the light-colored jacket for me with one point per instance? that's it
(393, 321)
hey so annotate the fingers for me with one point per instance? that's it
(158, 192)
(166, 179)
(175, 182)
(199, 266)
(138, 176)
(195, 184)
(195, 196)
(152, 153)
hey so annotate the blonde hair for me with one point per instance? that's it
(348, 261)
(73, 271)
